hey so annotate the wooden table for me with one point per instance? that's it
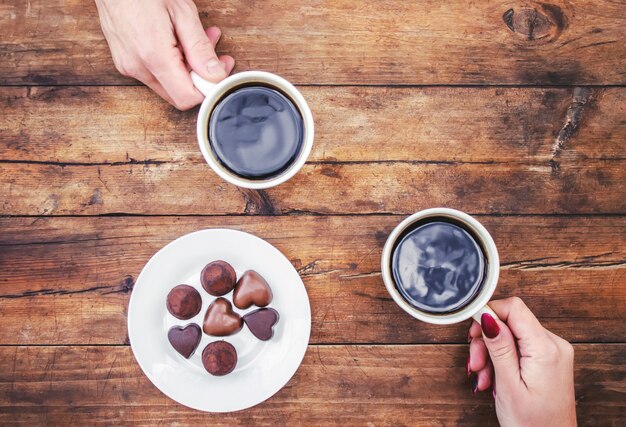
(512, 111)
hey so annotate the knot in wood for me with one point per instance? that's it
(533, 24)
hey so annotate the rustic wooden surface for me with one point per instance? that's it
(347, 42)
(433, 124)
(415, 385)
(71, 276)
(512, 111)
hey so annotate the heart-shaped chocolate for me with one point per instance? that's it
(261, 322)
(220, 320)
(251, 289)
(185, 340)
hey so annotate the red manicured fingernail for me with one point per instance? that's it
(475, 384)
(489, 325)
(467, 368)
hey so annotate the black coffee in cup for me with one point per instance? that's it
(256, 132)
(438, 266)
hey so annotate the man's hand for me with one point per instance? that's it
(158, 42)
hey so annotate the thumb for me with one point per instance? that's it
(197, 47)
(500, 343)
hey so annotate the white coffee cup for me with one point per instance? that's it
(478, 305)
(215, 92)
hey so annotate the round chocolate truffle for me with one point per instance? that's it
(219, 358)
(218, 278)
(184, 302)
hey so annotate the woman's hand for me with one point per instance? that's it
(158, 42)
(534, 369)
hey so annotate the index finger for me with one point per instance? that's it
(163, 58)
(171, 71)
(518, 318)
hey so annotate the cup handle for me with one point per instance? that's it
(485, 309)
(202, 85)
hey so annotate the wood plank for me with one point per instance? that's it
(336, 385)
(343, 42)
(125, 124)
(584, 187)
(68, 280)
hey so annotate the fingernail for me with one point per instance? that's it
(467, 368)
(216, 68)
(475, 384)
(489, 325)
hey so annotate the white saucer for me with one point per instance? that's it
(263, 367)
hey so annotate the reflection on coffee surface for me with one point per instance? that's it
(256, 132)
(438, 267)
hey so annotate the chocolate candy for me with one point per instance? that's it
(218, 278)
(252, 289)
(220, 320)
(219, 358)
(185, 340)
(261, 322)
(184, 302)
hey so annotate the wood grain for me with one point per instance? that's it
(68, 280)
(439, 124)
(343, 42)
(397, 130)
(585, 187)
(336, 385)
